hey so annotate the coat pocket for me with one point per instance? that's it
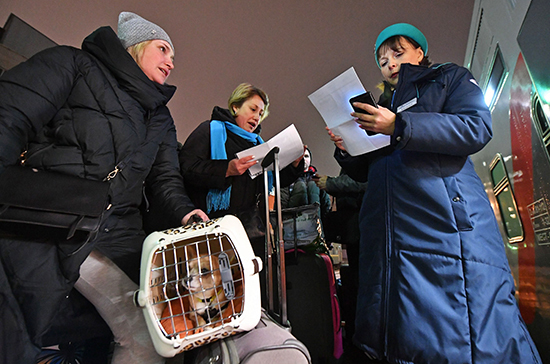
(459, 204)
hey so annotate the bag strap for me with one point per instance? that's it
(74, 225)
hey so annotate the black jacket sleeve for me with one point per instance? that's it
(344, 185)
(196, 165)
(30, 95)
(165, 183)
(356, 167)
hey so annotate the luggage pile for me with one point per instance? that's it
(200, 292)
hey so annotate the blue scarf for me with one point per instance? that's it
(216, 198)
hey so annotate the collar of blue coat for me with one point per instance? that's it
(415, 75)
(217, 199)
(418, 73)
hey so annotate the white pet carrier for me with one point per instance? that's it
(199, 283)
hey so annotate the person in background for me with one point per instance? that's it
(304, 190)
(434, 285)
(216, 180)
(80, 112)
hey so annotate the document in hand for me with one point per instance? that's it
(332, 102)
(290, 148)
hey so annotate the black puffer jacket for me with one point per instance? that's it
(82, 112)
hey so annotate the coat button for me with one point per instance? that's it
(398, 138)
(106, 230)
(456, 199)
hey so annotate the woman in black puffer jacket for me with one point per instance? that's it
(82, 112)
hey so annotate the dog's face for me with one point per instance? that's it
(202, 273)
(202, 278)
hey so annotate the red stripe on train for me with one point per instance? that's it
(521, 133)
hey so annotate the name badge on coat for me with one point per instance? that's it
(407, 105)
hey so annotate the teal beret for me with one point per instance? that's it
(400, 29)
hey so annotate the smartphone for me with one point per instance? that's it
(366, 98)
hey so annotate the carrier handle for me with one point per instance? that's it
(194, 219)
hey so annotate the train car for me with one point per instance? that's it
(508, 53)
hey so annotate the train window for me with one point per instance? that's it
(496, 78)
(540, 116)
(506, 200)
(541, 121)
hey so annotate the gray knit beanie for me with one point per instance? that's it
(133, 29)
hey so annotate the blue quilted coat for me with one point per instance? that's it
(435, 284)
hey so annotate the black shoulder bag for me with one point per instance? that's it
(52, 199)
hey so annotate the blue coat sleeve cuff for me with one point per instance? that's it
(398, 138)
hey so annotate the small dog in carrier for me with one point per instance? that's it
(203, 280)
(199, 283)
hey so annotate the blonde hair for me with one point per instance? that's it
(242, 93)
(136, 51)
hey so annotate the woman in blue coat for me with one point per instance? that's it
(435, 285)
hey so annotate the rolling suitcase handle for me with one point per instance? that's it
(272, 157)
(266, 162)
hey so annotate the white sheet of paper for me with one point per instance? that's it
(290, 148)
(332, 102)
(357, 141)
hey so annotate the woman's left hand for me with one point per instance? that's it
(197, 212)
(379, 120)
(238, 166)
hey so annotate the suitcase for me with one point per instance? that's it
(312, 303)
(199, 283)
(268, 343)
(305, 284)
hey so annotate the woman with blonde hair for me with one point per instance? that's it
(89, 112)
(217, 181)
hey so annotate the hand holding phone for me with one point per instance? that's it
(365, 98)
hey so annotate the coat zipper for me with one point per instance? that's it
(387, 263)
(389, 237)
